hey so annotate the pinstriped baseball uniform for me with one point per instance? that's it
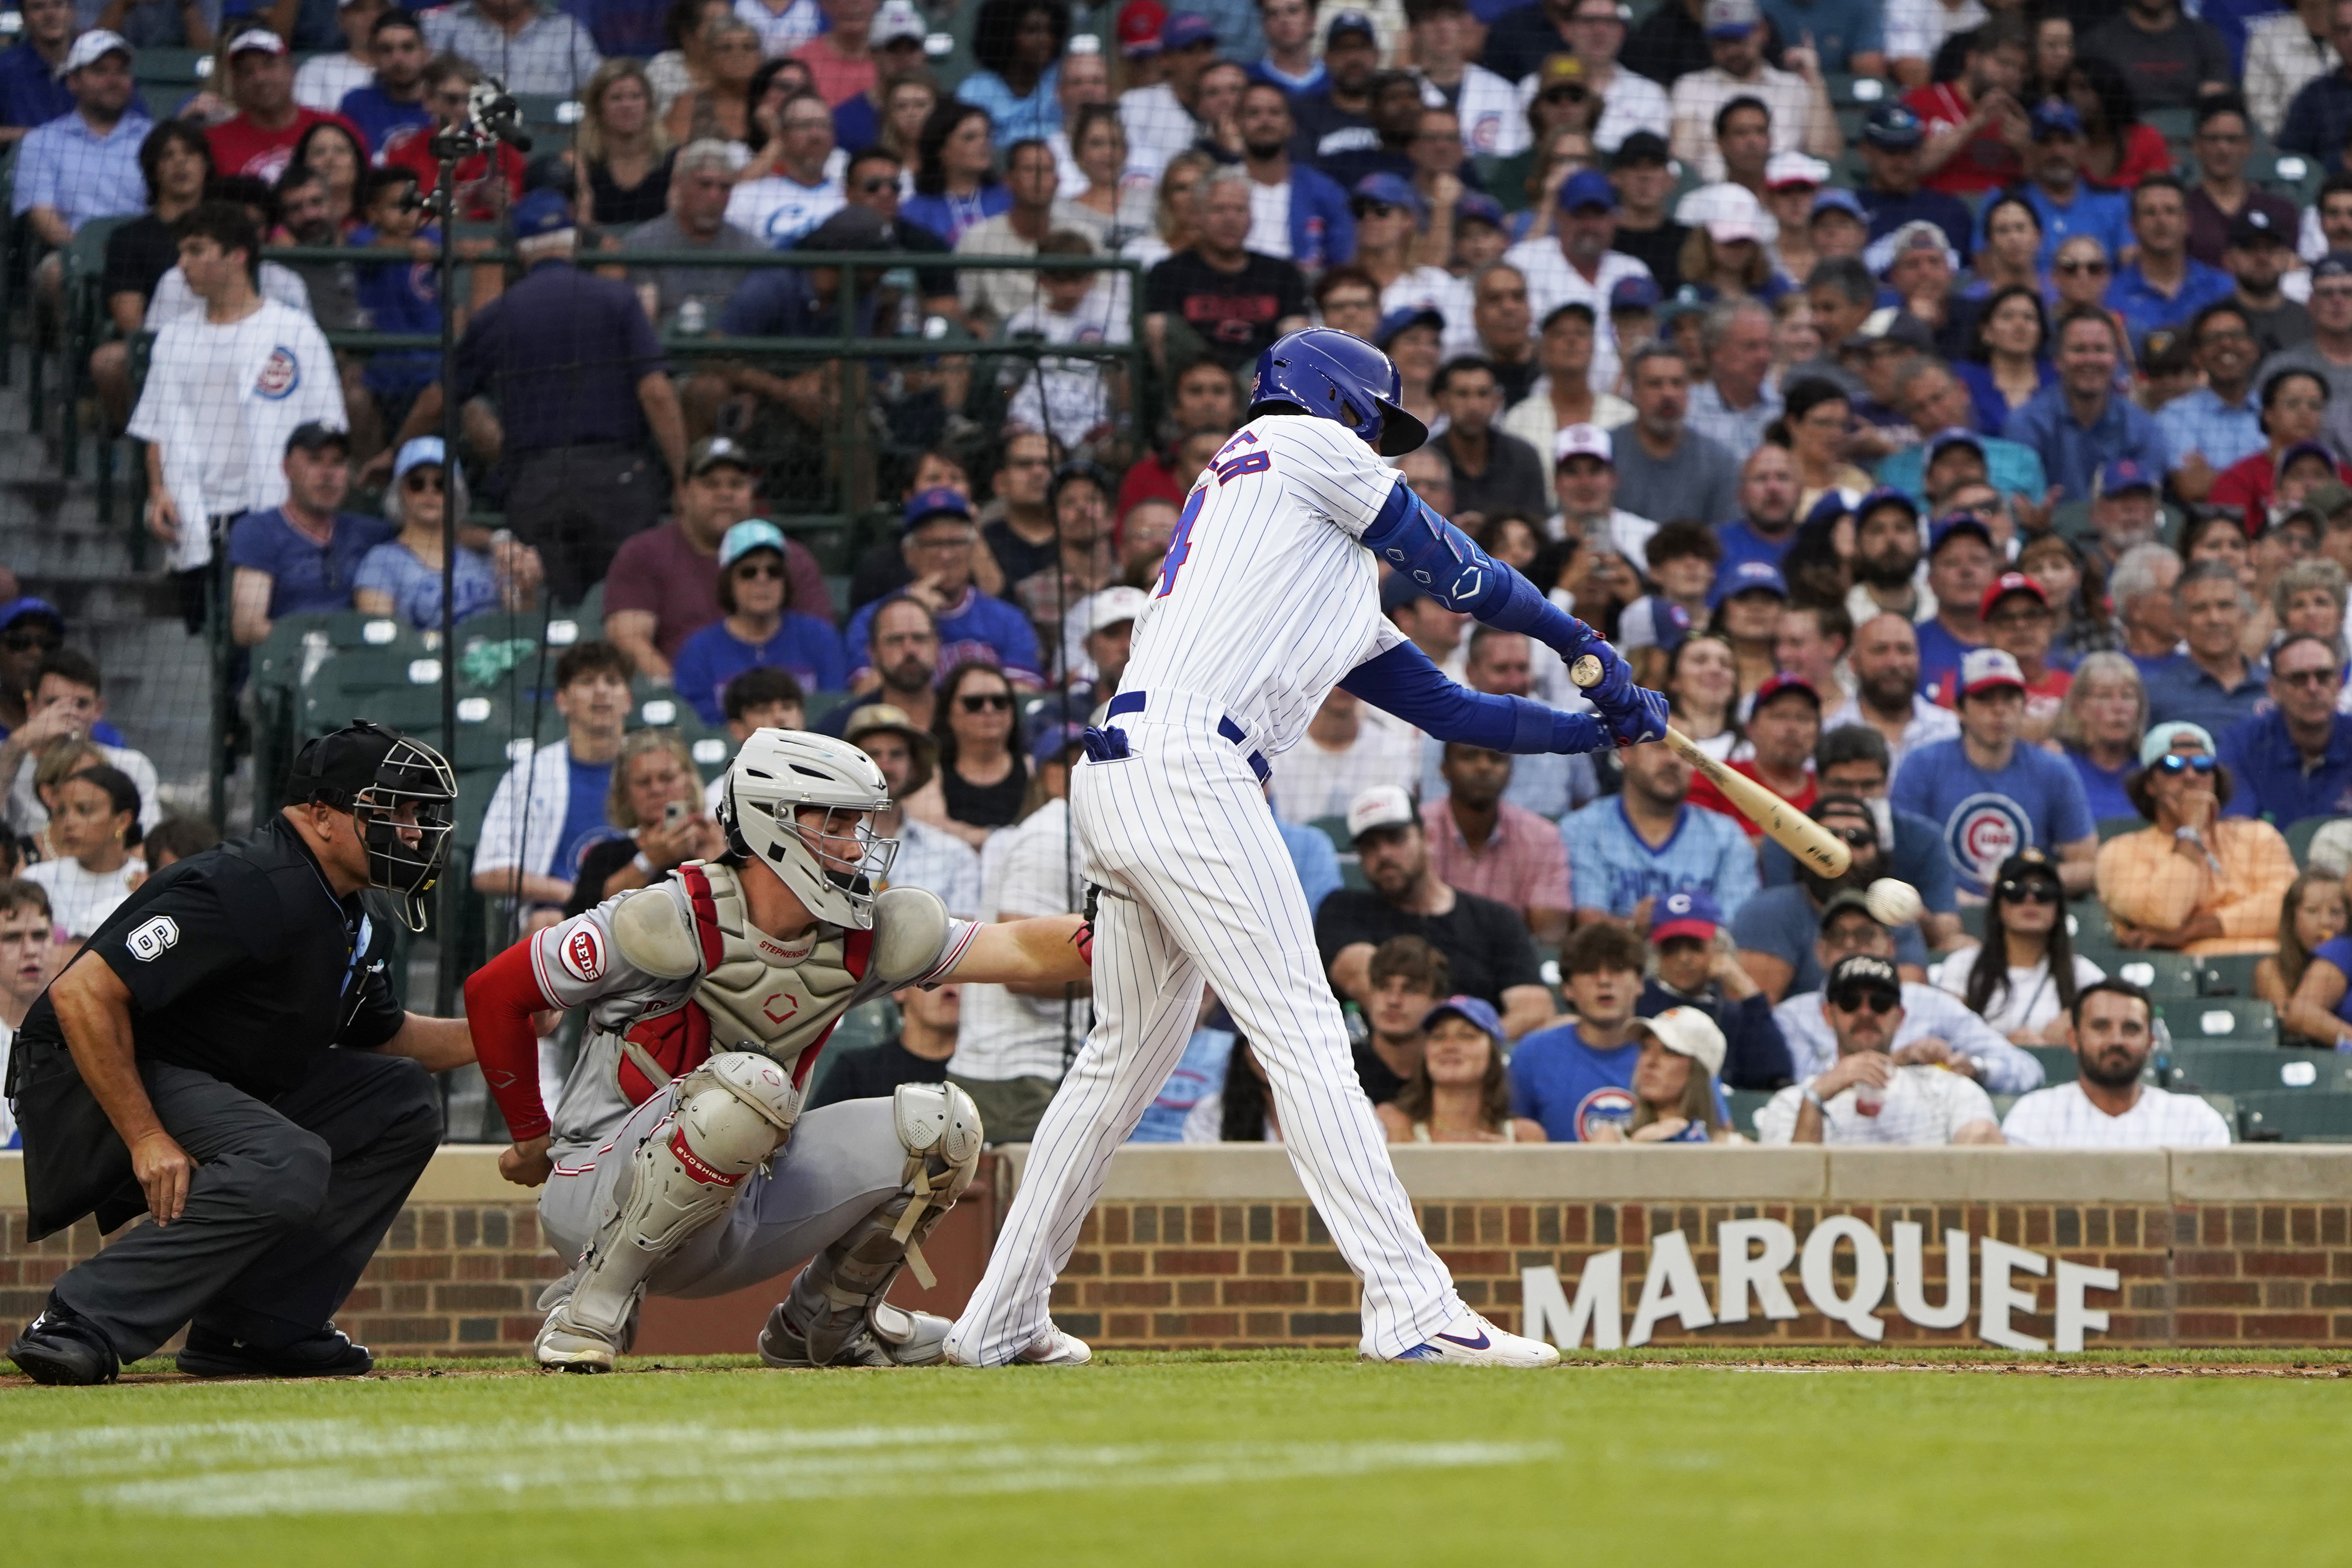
(1267, 600)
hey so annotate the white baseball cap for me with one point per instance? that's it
(896, 19)
(1112, 605)
(88, 48)
(1732, 212)
(1795, 168)
(1583, 441)
(256, 41)
(1687, 1032)
(1382, 806)
(1984, 669)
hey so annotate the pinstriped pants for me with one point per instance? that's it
(1198, 887)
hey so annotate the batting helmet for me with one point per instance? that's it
(1335, 375)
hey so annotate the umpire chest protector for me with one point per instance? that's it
(750, 992)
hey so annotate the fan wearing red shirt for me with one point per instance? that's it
(2017, 620)
(1782, 729)
(259, 139)
(1204, 400)
(448, 85)
(1975, 127)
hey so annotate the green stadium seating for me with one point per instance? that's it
(2162, 975)
(2092, 926)
(1334, 828)
(2233, 976)
(2299, 835)
(821, 704)
(2057, 1063)
(2294, 1116)
(2116, 826)
(1744, 1103)
(2219, 1019)
(2248, 1070)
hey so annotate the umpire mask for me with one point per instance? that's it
(401, 797)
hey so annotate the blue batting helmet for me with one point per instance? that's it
(1334, 376)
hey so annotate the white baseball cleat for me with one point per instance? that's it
(1054, 1347)
(1471, 1341)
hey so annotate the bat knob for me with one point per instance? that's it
(1586, 671)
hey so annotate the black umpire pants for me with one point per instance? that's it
(290, 1200)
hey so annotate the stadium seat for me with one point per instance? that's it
(2299, 835)
(2231, 976)
(1744, 1103)
(2220, 1018)
(1334, 828)
(2162, 975)
(2092, 926)
(2057, 1062)
(2116, 826)
(2292, 1116)
(2246, 1071)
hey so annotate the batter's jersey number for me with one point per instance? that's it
(1180, 543)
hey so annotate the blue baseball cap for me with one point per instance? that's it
(1944, 528)
(2055, 117)
(1669, 623)
(1751, 577)
(1476, 206)
(1946, 439)
(1350, 22)
(751, 533)
(1836, 198)
(2120, 476)
(1634, 294)
(1694, 912)
(1390, 190)
(1891, 127)
(1885, 495)
(1404, 316)
(17, 609)
(421, 451)
(1480, 1012)
(542, 213)
(1186, 30)
(1834, 503)
(935, 500)
(1588, 188)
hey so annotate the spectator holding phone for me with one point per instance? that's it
(655, 801)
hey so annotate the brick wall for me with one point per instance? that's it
(1219, 1247)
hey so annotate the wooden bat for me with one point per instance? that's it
(1783, 824)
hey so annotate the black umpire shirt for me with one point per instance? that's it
(241, 962)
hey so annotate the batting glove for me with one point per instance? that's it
(1641, 717)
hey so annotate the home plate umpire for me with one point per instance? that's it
(226, 1053)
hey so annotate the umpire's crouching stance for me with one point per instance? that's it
(182, 1064)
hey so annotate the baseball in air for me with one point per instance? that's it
(1893, 903)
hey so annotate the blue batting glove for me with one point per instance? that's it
(1642, 717)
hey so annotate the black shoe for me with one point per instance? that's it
(327, 1353)
(63, 1348)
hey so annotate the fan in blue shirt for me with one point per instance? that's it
(1629, 849)
(755, 627)
(2294, 762)
(1578, 1078)
(1991, 795)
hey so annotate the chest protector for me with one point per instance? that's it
(750, 992)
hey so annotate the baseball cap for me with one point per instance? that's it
(1837, 501)
(2327, 498)
(1350, 22)
(1559, 70)
(851, 228)
(1186, 30)
(544, 213)
(1917, 234)
(1886, 495)
(1479, 1013)
(876, 717)
(1390, 190)
(2163, 739)
(1691, 912)
(1583, 441)
(91, 48)
(2055, 117)
(1404, 316)
(933, 501)
(1860, 974)
(2335, 264)
(1641, 147)
(256, 41)
(2253, 227)
(1055, 743)
(751, 533)
(2160, 738)
(1783, 170)
(420, 452)
(1782, 681)
(1954, 436)
(313, 435)
(1837, 199)
(1398, 590)
(1891, 127)
(29, 605)
(1588, 188)
(2121, 477)
(1985, 668)
(2010, 582)
(1476, 206)
(896, 19)
(1382, 806)
(1111, 605)
(1731, 213)
(1752, 577)
(1891, 325)
(1687, 1032)
(717, 452)
(1139, 21)
(1630, 294)
(1731, 18)
(1944, 529)
(2305, 449)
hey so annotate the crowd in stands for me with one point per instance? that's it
(1970, 461)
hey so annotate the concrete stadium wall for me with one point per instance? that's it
(1218, 1246)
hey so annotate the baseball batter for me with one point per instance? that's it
(677, 1160)
(1267, 599)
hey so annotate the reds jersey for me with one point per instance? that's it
(644, 1029)
(1267, 597)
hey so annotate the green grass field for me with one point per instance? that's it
(1227, 1460)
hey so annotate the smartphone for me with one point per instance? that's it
(672, 814)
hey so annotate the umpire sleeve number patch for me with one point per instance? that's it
(149, 940)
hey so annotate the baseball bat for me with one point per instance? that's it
(1783, 824)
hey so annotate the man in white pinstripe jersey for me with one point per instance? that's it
(1267, 599)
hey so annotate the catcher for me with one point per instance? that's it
(677, 1160)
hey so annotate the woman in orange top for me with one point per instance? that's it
(2193, 882)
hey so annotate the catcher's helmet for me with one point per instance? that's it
(400, 792)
